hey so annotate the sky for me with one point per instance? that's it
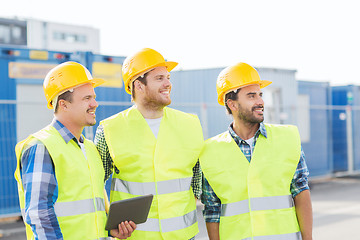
(318, 38)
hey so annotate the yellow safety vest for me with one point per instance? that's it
(256, 201)
(160, 166)
(80, 208)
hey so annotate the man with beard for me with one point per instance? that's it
(255, 176)
(59, 172)
(153, 149)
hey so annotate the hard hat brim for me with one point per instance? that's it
(95, 82)
(169, 66)
(262, 84)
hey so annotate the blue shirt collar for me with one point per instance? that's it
(261, 130)
(64, 132)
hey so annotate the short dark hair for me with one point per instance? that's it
(233, 96)
(67, 96)
(142, 79)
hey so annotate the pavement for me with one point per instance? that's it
(12, 229)
(336, 207)
(336, 210)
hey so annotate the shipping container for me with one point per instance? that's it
(20, 70)
(314, 122)
(346, 130)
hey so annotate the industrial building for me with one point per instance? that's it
(37, 34)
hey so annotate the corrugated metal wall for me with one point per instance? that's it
(194, 91)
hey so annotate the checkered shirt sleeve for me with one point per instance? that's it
(41, 191)
(196, 182)
(103, 149)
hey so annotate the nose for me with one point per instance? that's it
(94, 103)
(260, 100)
(167, 82)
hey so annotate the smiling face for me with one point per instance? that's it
(157, 90)
(83, 105)
(250, 105)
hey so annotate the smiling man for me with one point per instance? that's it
(255, 176)
(153, 150)
(59, 172)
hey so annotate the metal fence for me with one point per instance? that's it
(8, 188)
(330, 135)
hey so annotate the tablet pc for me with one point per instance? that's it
(133, 209)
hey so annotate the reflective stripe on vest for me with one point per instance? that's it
(257, 204)
(169, 224)
(287, 236)
(235, 208)
(144, 188)
(64, 209)
(270, 203)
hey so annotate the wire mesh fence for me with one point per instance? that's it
(330, 135)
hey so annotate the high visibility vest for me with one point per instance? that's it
(256, 202)
(80, 207)
(160, 166)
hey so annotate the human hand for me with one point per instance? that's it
(124, 230)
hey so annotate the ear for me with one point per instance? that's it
(62, 104)
(232, 105)
(138, 85)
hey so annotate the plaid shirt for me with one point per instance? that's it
(103, 149)
(212, 208)
(40, 186)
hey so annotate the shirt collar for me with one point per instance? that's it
(64, 132)
(261, 130)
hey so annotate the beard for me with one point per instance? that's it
(155, 101)
(249, 115)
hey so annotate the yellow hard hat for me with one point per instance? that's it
(66, 76)
(142, 62)
(237, 76)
